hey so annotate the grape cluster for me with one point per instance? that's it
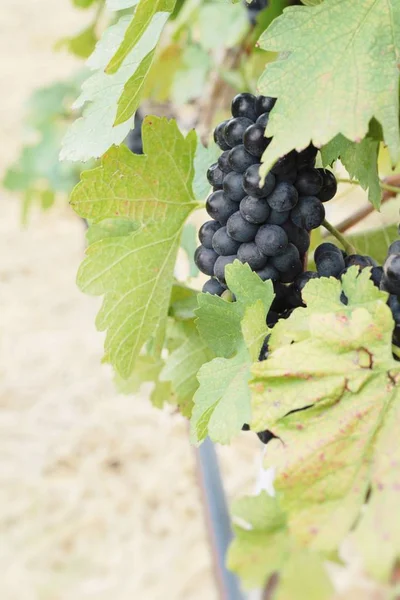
(390, 282)
(265, 225)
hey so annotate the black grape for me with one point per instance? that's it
(239, 159)
(223, 162)
(298, 285)
(359, 261)
(329, 185)
(219, 207)
(284, 197)
(278, 218)
(240, 229)
(213, 286)
(233, 186)
(249, 253)
(287, 260)
(205, 260)
(330, 264)
(282, 293)
(391, 278)
(206, 233)
(268, 272)
(309, 182)
(272, 318)
(223, 244)
(244, 105)
(234, 130)
(134, 138)
(215, 176)
(289, 275)
(263, 120)
(306, 158)
(255, 141)
(254, 210)
(309, 213)
(219, 136)
(252, 180)
(220, 264)
(265, 436)
(394, 248)
(394, 305)
(285, 163)
(376, 275)
(298, 236)
(326, 247)
(264, 104)
(271, 239)
(289, 176)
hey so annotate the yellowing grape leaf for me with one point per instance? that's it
(337, 365)
(338, 68)
(134, 271)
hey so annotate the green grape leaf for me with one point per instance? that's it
(134, 272)
(182, 365)
(304, 577)
(82, 44)
(189, 244)
(83, 3)
(335, 369)
(352, 79)
(95, 131)
(360, 160)
(115, 5)
(146, 14)
(191, 76)
(222, 402)
(203, 159)
(261, 544)
(221, 25)
(183, 303)
(110, 228)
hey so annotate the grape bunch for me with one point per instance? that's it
(264, 224)
(390, 282)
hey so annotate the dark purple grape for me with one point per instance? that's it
(306, 158)
(219, 136)
(233, 186)
(268, 272)
(284, 197)
(249, 253)
(255, 141)
(376, 275)
(287, 260)
(234, 130)
(298, 285)
(298, 236)
(282, 293)
(240, 229)
(329, 264)
(265, 436)
(309, 213)
(288, 177)
(244, 105)
(215, 176)
(239, 159)
(394, 305)
(254, 210)
(285, 164)
(264, 104)
(326, 247)
(290, 275)
(271, 239)
(263, 120)
(219, 207)
(223, 162)
(220, 264)
(394, 248)
(359, 260)
(278, 218)
(213, 286)
(252, 180)
(309, 181)
(223, 244)
(329, 185)
(391, 277)
(205, 260)
(206, 233)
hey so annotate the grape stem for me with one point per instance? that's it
(384, 186)
(396, 351)
(350, 249)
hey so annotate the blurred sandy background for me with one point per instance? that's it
(98, 494)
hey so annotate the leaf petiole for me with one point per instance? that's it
(350, 249)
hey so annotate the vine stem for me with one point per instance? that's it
(396, 351)
(384, 186)
(350, 249)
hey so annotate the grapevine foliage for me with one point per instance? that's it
(302, 349)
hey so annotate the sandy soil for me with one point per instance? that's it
(98, 496)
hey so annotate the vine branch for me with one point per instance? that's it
(350, 249)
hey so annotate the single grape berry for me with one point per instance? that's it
(289, 275)
(284, 197)
(391, 278)
(282, 294)
(244, 105)
(326, 247)
(233, 186)
(215, 176)
(377, 275)
(234, 130)
(287, 260)
(252, 181)
(240, 229)
(298, 286)
(255, 210)
(285, 164)
(271, 239)
(264, 104)
(219, 207)
(219, 138)
(359, 261)
(309, 181)
(263, 120)
(394, 305)
(255, 141)
(205, 260)
(223, 244)
(309, 213)
(329, 185)
(213, 286)
(249, 253)
(288, 177)
(268, 272)
(223, 162)
(394, 248)
(330, 264)
(219, 266)
(278, 218)
(239, 159)
(206, 233)
(298, 236)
